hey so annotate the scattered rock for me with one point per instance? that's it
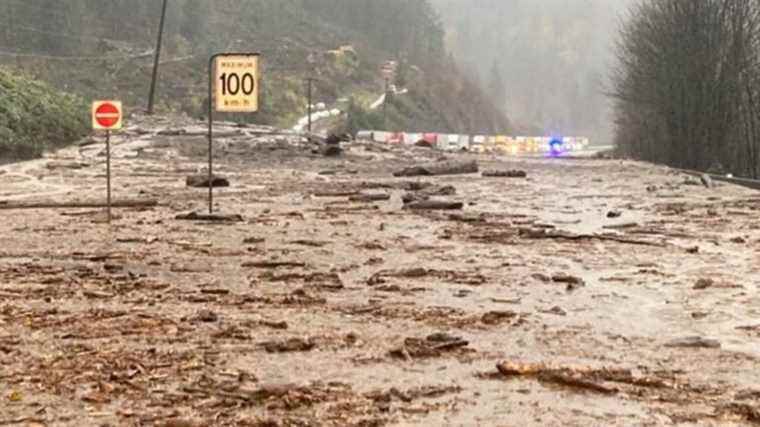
(694, 342)
(432, 346)
(414, 197)
(704, 284)
(206, 316)
(572, 282)
(273, 324)
(706, 180)
(442, 337)
(333, 139)
(289, 345)
(332, 151)
(614, 214)
(497, 317)
(555, 310)
(201, 181)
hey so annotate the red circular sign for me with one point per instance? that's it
(107, 115)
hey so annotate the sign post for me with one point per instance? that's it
(107, 115)
(233, 87)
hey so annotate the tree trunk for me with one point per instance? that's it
(441, 168)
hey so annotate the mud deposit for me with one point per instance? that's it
(592, 292)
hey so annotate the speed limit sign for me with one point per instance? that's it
(233, 83)
(236, 78)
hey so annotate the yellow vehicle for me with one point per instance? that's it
(532, 144)
(490, 146)
(500, 143)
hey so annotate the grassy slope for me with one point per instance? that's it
(35, 117)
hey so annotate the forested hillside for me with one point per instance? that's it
(545, 62)
(104, 49)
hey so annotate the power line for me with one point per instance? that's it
(71, 58)
(67, 35)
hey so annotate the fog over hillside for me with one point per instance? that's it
(545, 61)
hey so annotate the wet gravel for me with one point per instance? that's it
(531, 305)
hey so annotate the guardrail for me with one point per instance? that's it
(752, 184)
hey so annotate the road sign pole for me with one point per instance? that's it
(211, 135)
(108, 174)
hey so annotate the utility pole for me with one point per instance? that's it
(309, 90)
(385, 102)
(8, 24)
(152, 94)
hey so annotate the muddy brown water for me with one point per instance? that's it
(151, 319)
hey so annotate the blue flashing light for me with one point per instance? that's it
(556, 147)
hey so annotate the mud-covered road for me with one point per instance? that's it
(594, 292)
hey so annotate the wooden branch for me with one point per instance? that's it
(195, 216)
(434, 205)
(531, 233)
(505, 174)
(369, 197)
(6, 205)
(440, 168)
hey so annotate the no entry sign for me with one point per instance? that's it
(106, 115)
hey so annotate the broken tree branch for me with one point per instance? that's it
(5, 205)
(440, 168)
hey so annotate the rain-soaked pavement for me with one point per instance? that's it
(594, 292)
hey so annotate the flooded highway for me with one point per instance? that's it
(592, 292)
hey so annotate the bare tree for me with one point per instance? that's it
(686, 86)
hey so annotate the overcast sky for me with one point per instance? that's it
(553, 56)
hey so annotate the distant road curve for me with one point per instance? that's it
(325, 114)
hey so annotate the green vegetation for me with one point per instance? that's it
(360, 118)
(104, 50)
(35, 117)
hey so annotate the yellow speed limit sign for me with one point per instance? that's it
(236, 78)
